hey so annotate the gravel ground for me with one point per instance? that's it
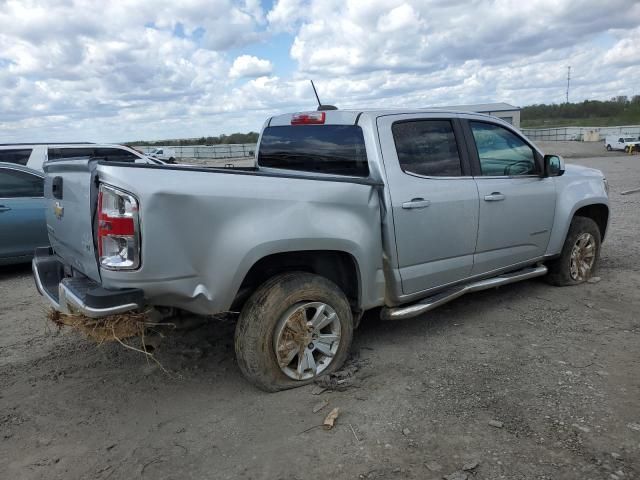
(527, 381)
(577, 150)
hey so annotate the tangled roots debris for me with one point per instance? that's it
(112, 328)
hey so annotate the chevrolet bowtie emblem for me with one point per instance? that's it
(58, 210)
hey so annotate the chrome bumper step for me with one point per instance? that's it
(79, 293)
(429, 303)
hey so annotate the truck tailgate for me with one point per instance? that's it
(70, 196)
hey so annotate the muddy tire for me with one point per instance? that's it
(580, 254)
(294, 327)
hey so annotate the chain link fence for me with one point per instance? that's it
(580, 134)
(235, 150)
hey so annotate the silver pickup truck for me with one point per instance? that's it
(345, 211)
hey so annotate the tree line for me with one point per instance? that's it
(251, 137)
(617, 111)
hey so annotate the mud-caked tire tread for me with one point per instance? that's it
(259, 318)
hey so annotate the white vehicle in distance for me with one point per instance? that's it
(616, 142)
(33, 155)
(165, 154)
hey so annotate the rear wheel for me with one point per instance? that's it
(294, 328)
(609, 148)
(579, 256)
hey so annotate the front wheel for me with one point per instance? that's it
(579, 256)
(294, 328)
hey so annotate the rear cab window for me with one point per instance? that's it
(17, 155)
(329, 149)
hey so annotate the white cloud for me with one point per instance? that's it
(626, 51)
(115, 71)
(250, 66)
(285, 14)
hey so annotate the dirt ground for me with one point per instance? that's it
(528, 381)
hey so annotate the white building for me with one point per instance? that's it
(506, 112)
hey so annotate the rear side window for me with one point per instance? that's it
(427, 147)
(19, 156)
(108, 153)
(15, 184)
(333, 149)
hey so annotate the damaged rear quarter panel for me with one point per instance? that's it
(202, 231)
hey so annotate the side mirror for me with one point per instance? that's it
(553, 165)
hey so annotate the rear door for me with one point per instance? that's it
(70, 208)
(22, 222)
(517, 204)
(434, 198)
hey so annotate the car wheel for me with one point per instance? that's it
(579, 256)
(609, 148)
(172, 160)
(294, 328)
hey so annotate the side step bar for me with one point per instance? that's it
(429, 303)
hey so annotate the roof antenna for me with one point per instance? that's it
(321, 107)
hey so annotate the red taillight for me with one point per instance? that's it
(118, 236)
(308, 118)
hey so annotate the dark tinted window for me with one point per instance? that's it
(336, 149)
(502, 152)
(427, 147)
(20, 184)
(115, 154)
(20, 156)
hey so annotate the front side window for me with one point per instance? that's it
(16, 184)
(331, 149)
(427, 147)
(502, 152)
(18, 155)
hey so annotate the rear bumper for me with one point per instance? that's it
(78, 293)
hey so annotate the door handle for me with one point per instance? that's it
(4, 209)
(494, 197)
(416, 203)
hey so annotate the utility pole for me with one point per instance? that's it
(568, 79)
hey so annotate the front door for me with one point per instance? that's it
(517, 204)
(434, 199)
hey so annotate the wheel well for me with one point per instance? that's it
(339, 267)
(599, 213)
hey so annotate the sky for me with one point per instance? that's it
(124, 70)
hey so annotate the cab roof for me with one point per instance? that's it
(350, 117)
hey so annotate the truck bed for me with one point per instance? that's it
(201, 227)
